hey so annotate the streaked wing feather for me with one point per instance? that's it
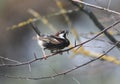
(49, 40)
(54, 41)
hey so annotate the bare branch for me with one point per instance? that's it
(108, 5)
(98, 7)
(63, 73)
(66, 50)
(29, 66)
(96, 21)
(11, 60)
(76, 80)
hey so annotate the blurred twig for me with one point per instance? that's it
(65, 50)
(23, 23)
(11, 60)
(67, 19)
(65, 72)
(94, 19)
(97, 7)
(43, 19)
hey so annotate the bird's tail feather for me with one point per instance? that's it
(35, 28)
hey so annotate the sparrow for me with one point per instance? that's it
(54, 42)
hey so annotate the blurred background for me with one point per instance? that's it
(18, 44)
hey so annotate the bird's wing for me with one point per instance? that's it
(50, 39)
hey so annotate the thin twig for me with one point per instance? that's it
(11, 60)
(108, 5)
(65, 50)
(96, 22)
(21, 24)
(62, 73)
(98, 7)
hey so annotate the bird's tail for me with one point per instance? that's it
(35, 28)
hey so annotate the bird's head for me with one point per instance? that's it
(62, 34)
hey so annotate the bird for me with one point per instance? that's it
(54, 42)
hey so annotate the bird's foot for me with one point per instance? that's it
(45, 57)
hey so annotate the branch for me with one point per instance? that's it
(65, 50)
(63, 73)
(11, 60)
(97, 7)
(96, 21)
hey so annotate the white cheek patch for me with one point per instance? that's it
(61, 36)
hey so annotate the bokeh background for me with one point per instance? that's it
(18, 44)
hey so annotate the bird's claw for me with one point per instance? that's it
(45, 57)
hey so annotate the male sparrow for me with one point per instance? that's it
(53, 43)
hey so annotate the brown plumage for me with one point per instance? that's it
(52, 42)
